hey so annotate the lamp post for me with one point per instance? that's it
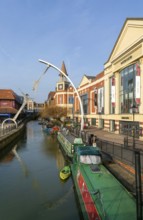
(137, 172)
(51, 65)
(133, 111)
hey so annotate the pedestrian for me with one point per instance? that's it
(90, 139)
(94, 144)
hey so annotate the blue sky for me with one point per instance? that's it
(81, 33)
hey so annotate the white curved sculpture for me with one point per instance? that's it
(26, 97)
(51, 65)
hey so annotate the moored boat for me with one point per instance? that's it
(69, 142)
(47, 130)
(100, 194)
(65, 172)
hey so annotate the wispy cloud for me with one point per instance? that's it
(6, 54)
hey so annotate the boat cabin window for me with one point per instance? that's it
(90, 159)
(78, 141)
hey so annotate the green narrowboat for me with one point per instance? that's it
(69, 143)
(100, 194)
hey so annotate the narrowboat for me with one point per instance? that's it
(68, 142)
(101, 195)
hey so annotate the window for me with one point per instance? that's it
(112, 125)
(93, 121)
(128, 87)
(61, 100)
(84, 99)
(95, 97)
(70, 99)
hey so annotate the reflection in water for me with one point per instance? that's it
(58, 202)
(23, 165)
(30, 185)
(55, 152)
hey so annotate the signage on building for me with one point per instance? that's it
(113, 91)
(125, 117)
(100, 100)
(137, 95)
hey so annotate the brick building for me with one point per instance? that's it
(10, 102)
(113, 99)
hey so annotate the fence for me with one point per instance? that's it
(7, 129)
(122, 152)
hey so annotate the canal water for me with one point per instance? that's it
(30, 187)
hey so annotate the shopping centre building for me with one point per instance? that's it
(113, 99)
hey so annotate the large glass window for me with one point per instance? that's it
(84, 99)
(128, 89)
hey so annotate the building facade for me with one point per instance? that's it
(10, 103)
(63, 96)
(113, 99)
(124, 79)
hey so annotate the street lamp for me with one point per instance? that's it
(137, 172)
(133, 111)
(51, 65)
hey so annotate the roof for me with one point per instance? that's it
(8, 110)
(51, 95)
(9, 94)
(86, 80)
(90, 77)
(128, 19)
(63, 68)
(89, 150)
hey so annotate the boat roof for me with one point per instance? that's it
(88, 150)
(111, 198)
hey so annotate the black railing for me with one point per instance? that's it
(120, 152)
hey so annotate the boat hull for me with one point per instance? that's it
(100, 194)
(67, 143)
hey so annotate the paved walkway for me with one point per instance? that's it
(105, 135)
(112, 137)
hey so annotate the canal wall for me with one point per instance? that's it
(11, 136)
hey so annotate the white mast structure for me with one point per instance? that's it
(53, 66)
(25, 100)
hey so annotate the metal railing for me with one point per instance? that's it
(7, 129)
(122, 152)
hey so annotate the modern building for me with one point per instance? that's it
(123, 81)
(113, 99)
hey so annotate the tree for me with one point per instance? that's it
(56, 112)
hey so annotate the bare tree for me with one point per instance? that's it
(54, 111)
